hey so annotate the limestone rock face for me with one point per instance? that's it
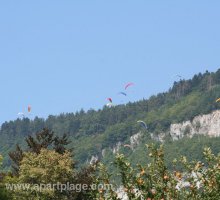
(135, 140)
(203, 125)
(116, 148)
(93, 160)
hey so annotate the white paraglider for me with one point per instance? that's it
(142, 123)
(21, 115)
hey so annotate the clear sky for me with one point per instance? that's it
(61, 56)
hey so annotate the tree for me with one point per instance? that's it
(46, 167)
(42, 140)
(4, 194)
(16, 157)
(1, 158)
(48, 161)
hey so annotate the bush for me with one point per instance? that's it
(196, 181)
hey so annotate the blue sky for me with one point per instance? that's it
(61, 56)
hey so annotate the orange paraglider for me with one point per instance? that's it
(29, 108)
(127, 145)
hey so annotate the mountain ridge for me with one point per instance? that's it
(93, 131)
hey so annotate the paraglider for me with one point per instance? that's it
(178, 76)
(123, 93)
(217, 100)
(127, 145)
(128, 85)
(109, 99)
(21, 114)
(109, 105)
(29, 108)
(25, 114)
(142, 123)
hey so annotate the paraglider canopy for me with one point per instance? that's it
(109, 99)
(127, 145)
(123, 93)
(20, 114)
(178, 76)
(109, 105)
(142, 123)
(29, 108)
(128, 85)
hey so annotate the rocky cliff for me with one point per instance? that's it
(208, 125)
(203, 125)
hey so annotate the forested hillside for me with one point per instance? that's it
(92, 131)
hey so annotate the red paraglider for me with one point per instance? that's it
(128, 85)
(109, 99)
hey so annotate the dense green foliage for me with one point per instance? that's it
(153, 181)
(45, 167)
(192, 148)
(92, 131)
(46, 161)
